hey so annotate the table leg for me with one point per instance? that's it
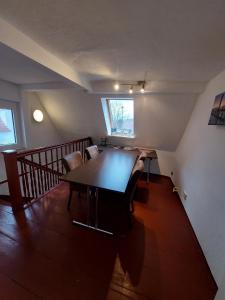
(89, 213)
(148, 174)
(96, 208)
(88, 205)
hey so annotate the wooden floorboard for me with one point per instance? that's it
(44, 256)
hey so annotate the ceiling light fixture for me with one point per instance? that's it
(116, 86)
(142, 90)
(38, 115)
(141, 84)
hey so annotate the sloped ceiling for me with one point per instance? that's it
(129, 39)
(17, 68)
(159, 120)
(31, 51)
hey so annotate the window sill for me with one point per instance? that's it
(122, 137)
(11, 147)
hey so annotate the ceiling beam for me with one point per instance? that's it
(20, 42)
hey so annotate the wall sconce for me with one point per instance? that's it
(38, 115)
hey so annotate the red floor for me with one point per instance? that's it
(44, 256)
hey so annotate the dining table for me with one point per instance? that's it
(110, 170)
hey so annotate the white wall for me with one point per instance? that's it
(8, 91)
(36, 135)
(201, 173)
(221, 291)
(159, 120)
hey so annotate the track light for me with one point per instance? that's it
(131, 90)
(140, 84)
(142, 88)
(116, 86)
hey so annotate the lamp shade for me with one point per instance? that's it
(38, 115)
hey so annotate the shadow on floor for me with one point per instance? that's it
(78, 261)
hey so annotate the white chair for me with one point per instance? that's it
(71, 162)
(139, 166)
(143, 155)
(92, 152)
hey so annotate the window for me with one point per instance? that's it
(119, 116)
(10, 127)
(7, 127)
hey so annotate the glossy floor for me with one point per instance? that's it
(42, 255)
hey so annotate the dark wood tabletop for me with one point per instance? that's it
(111, 170)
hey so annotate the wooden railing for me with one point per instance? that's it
(30, 174)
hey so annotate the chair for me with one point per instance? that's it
(136, 174)
(139, 166)
(129, 194)
(131, 188)
(126, 200)
(71, 162)
(92, 152)
(132, 184)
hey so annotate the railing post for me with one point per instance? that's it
(90, 141)
(13, 179)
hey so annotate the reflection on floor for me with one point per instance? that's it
(42, 255)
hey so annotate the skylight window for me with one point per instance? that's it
(119, 116)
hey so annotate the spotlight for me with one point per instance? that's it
(131, 90)
(142, 88)
(116, 86)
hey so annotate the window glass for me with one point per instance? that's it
(7, 127)
(121, 117)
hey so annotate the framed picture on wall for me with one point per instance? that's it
(217, 115)
(221, 115)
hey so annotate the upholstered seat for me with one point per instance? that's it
(139, 166)
(143, 155)
(71, 162)
(92, 152)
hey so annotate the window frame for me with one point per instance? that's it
(15, 108)
(108, 117)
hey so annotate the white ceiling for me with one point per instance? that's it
(167, 40)
(19, 69)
